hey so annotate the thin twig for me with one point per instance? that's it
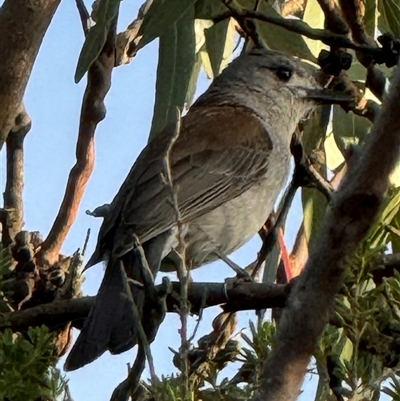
(84, 16)
(324, 35)
(86, 242)
(182, 270)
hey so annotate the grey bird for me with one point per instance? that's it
(228, 162)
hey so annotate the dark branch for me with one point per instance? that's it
(15, 170)
(324, 35)
(241, 296)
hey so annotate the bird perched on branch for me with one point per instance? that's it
(211, 183)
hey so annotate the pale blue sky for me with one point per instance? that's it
(53, 102)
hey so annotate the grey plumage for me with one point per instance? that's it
(228, 164)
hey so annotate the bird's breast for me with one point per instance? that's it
(228, 227)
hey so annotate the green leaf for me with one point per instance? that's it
(370, 16)
(314, 203)
(349, 129)
(389, 20)
(174, 71)
(278, 38)
(395, 239)
(334, 157)
(162, 16)
(96, 37)
(314, 16)
(220, 42)
(193, 80)
(394, 177)
(209, 9)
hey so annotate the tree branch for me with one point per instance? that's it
(353, 12)
(128, 40)
(241, 296)
(333, 18)
(23, 25)
(352, 213)
(326, 36)
(15, 170)
(93, 111)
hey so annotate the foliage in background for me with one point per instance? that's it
(28, 359)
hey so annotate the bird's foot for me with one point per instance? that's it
(241, 274)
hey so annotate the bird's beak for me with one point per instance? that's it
(327, 96)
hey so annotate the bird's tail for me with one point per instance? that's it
(110, 324)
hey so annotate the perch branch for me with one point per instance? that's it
(347, 221)
(23, 25)
(93, 111)
(242, 296)
(15, 170)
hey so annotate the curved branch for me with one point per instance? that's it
(326, 36)
(93, 111)
(241, 296)
(23, 25)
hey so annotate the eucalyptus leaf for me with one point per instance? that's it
(193, 80)
(394, 177)
(162, 16)
(205, 59)
(96, 37)
(209, 9)
(314, 203)
(349, 129)
(314, 16)
(334, 157)
(371, 16)
(220, 42)
(278, 38)
(394, 238)
(174, 71)
(389, 20)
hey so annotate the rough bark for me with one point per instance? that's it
(23, 24)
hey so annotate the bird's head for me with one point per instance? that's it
(278, 88)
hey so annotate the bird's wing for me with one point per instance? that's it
(219, 154)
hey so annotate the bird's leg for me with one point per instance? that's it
(241, 274)
(154, 306)
(130, 385)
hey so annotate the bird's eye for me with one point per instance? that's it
(284, 73)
